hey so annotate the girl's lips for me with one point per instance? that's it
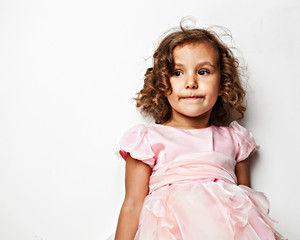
(192, 98)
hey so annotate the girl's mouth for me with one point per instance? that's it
(192, 98)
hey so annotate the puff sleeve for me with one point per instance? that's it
(246, 144)
(135, 142)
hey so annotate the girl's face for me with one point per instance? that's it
(195, 81)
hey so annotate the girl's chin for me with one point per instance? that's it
(194, 113)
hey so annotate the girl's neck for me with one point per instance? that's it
(185, 122)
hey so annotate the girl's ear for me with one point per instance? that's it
(168, 93)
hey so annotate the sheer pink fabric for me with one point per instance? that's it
(193, 191)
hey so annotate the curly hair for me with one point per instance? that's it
(152, 100)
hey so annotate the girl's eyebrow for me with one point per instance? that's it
(198, 64)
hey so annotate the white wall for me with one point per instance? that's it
(68, 71)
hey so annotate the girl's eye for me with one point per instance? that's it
(177, 73)
(203, 72)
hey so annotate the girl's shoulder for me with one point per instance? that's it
(244, 140)
(240, 131)
(135, 141)
(237, 131)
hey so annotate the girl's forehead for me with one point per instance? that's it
(200, 49)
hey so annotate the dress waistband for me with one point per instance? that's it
(212, 166)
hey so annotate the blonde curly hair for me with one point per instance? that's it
(152, 100)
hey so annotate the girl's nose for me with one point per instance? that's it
(191, 83)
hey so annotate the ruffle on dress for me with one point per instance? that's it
(206, 209)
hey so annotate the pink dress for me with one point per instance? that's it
(193, 191)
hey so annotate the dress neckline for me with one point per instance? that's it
(183, 129)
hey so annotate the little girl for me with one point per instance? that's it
(187, 176)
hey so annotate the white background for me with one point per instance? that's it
(68, 72)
